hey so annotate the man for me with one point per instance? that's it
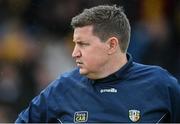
(106, 86)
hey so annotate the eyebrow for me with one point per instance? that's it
(78, 41)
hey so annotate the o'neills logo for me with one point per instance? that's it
(111, 90)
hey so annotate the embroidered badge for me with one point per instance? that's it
(80, 116)
(134, 115)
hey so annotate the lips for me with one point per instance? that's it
(79, 63)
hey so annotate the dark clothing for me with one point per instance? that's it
(135, 93)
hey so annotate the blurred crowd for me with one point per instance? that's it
(36, 43)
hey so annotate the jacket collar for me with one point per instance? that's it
(120, 74)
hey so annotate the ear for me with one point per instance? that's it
(113, 45)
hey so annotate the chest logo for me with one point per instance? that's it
(134, 115)
(111, 90)
(80, 116)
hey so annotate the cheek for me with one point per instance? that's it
(95, 60)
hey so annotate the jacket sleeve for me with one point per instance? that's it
(174, 91)
(41, 109)
(36, 111)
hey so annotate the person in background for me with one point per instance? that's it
(107, 85)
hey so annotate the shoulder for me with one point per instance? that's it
(154, 73)
(65, 82)
(71, 78)
(150, 69)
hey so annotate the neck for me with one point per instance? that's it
(116, 64)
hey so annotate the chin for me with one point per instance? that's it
(86, 73)
(83, 71)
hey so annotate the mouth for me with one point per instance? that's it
(79, 63)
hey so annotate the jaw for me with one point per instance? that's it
(89, 74)
(95, 69)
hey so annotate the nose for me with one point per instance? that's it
(76, 52)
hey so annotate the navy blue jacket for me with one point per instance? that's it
(135, 93)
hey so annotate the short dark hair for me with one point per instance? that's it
(107, 21)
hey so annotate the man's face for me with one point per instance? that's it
(90, 53)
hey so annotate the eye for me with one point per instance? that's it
(83, 44)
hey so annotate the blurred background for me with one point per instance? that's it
(36, 43)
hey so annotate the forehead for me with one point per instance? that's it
(83, 32)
